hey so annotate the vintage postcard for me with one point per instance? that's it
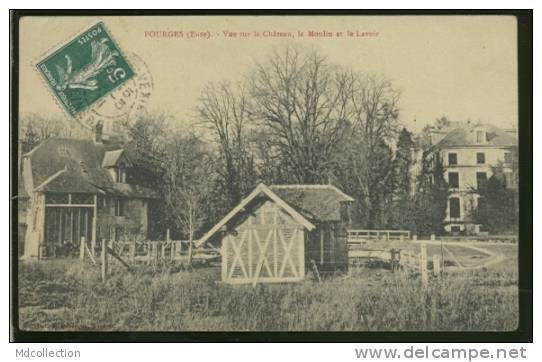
(251, 173)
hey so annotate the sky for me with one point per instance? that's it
(464, 67)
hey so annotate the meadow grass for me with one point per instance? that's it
(69, 295)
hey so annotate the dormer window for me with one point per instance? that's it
(120, 175)
(117, 163)
(480, 137)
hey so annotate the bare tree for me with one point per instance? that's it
(187, 184)
(34, 128)
(180, 167)
(320, 123)
(223, 108)
(368, 169)
(301, 100)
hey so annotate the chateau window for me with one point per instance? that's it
(453, 180)
(508, 157)
(481, 179)
(455, 211)
(119, 207)
(452, 158)
(480, 158)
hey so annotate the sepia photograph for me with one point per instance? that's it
(277, 173)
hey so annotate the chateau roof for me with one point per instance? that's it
(465, 135)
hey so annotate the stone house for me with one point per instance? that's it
(74, 188)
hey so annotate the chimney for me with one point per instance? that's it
(98, 132)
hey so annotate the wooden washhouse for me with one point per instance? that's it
(278, 233)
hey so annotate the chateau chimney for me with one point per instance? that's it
(98, 132)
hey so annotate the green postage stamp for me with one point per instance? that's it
(85, 69)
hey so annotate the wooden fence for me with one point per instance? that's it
(356, 237)
(413, 262)
(155, 250)
(130, 253)
(479, 238)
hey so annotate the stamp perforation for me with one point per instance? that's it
(54, 50)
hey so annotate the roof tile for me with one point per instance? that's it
(316, 202)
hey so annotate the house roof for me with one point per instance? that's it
(111, 158)
(75, 165)
(307, 204)
(465, 135)
(315, 202)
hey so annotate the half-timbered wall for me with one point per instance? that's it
(263, 244)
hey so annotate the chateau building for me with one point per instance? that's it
(469, 152)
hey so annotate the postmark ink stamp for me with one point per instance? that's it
(124, 104)
(85, 69)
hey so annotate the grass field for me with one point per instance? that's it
(67, 295)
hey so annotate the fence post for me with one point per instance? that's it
(436, 265)
(104, 260)
(149, 245)
(93, 244)
(82, 248)
(415, 237)
(423, 264)
(133, 250)
(170, 242)
(164, 244)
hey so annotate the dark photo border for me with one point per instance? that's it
(524, 332)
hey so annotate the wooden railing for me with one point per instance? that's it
(129, 253)
(481, 238)
(414, 262)
(154, 250)
(407, 260)
(358, 236)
